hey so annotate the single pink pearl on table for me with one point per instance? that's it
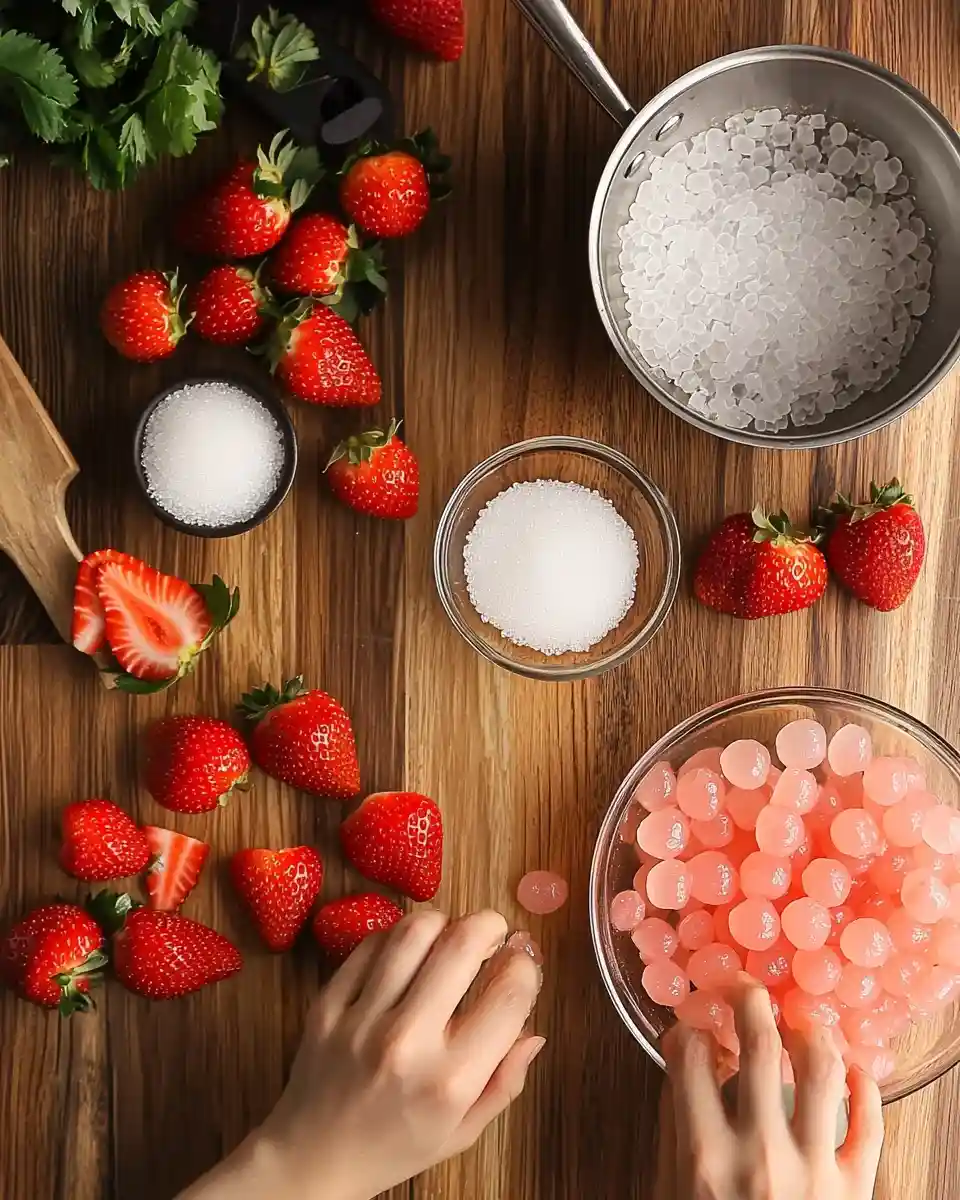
(879, 1062)
(704, 1010)
(817, 971)
(664, 982)
(654, 939)
(827, 880)
(664, 833)
(772, 967)
(796, 790)
(542, 892)
(627, 910)
(850, 750)
(755, 924)
(899, 974)
(806, 923)
(888, 870)
(714, 878)
(909, 935)
(866, 942)
(859, 987)
(855, 832)
(903, 822)
(746, 763)
(715, 965)
(801, 1009)
(708, 759)
(700, 793)
(925, 896)
(941, 829)
(887, 780)
(695, 930)
(657, 788)
(746, 806)
(779, 832)
(802, 744)
(765, 875)
(669, 884)
(716, 833)
(840, 918)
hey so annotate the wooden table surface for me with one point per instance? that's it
(490, 335)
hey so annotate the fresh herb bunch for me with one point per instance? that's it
(114, 85)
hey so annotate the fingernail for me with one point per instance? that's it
(521, 940)
(536, 1046)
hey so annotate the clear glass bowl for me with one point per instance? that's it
(639, 501)
(931, 1047)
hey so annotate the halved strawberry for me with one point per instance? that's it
(88, 629)
(175, 865)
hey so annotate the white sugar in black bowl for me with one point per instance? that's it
(214, 457)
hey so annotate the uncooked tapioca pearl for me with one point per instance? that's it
(887, 780)
(765, 875)
(657, 788)
(707, 759)
(840, 918)
(855, 833)
(669, 884)
(925, 896)
(664, 833)
(703, 1010)
(946, 943)
(665, 983)
(903, 822)
(754, 923)
(806, 923)
(746, 763)
(859, 987)
(850, 750)
(800, 1009)
(627, 910)
(716, 833)
(713, 966)
(943, 865)
(888, 869)
(867, 942)
(772, 967)
(779, 832)
(827, 880)
(542, 892)
(935, 989)
(879, 1062)
(746, 806)
(941, 829)
(695, 930)
(627, 829)
(909, 935)
(654, 939)
(797, 790)
(714, 878)
(817, 971)
(700, 793)
(900, 972)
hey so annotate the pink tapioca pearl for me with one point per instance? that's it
(746, 763)
(909, 935)
(700, 793)
(664, 833)
(863, 1027)
(855, 832)
(714, 878)
(755, 924)
(840, 918)
(829, 803)
(943, 865)
(894, 1013)
(796, 790)
(941, 829)
(713, 966)
(627, 829)
(542, 892)
(704, 1010)
(866, 942)
(888, 870)
(806, 923)
(779, 832)
(850, 750)
(827, 880)
(800, 1009)
(925, 896)
(801, 857)
(721, 923)
(879, 1062)
(934, 989)
(887, 780)
(817, 971)
(669, 884)
(708, 758)
(903, 822)
(859, 987)
(664, 982)
(657, 789)
(802, 744)
(627, 910)
(900, 973)
(953, 912)
(946, 943)
(764, 875)
(716, 833)
(772, 967)
(691, 849)
(654, 939)
(695, 930)
(746, 806)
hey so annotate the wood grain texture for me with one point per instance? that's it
(490, 335)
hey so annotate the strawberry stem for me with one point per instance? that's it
(359, 448)
(778, 529)
(110, 909)
(881, 497)
(255, 704)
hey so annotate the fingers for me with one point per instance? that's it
(821, 1084)
(452, 966)
(406, 948)
(759, 1090)
(697, 1107)
(860, 1153)
(504, 1086)
(346, 984)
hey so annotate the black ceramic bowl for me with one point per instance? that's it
(276, 409)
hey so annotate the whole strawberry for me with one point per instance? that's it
(279, 888)
(228, 305)
(53, 956)
(100, 842)
(377, 474)
(434, 26)
(341, 926)
(755, 565)
(319, 255)
(396, 838)
(388, 192)
(318, 358)
(140, 315)
(247, 211)
(303, 738)
(192, 764)
(876, 550)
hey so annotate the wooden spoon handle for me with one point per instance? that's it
(47, 556)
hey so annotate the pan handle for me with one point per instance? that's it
(552, 20)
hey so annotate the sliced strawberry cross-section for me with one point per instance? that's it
(89, 624)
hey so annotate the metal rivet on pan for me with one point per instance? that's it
(635, 164)
(669, 125)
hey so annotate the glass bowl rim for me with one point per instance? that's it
(879, 709)
(641, 482)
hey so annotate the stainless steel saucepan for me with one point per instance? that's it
(794, 78)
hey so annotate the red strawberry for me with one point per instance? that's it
(247, 210)
(877, 549)
(434, 26)
(396, 838)
(140, 316)
(387, 192)
(279, 887)
(340, 927)
(303, 738)
(319, 255)
(191, 764)
(228, 305)
(317, 356)
(175, 865)
(156, 624)
(377, 474)
(89, 626)
(52, 957)
(100, 841)
(759, 566)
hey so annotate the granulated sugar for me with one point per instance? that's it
(775, 269)
(551, 565)
(212, 454)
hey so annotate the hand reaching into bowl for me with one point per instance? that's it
(757, 1151)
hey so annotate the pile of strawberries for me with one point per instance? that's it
(759, 565)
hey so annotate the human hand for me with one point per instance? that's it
(394, 1073)
(758, 1153)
